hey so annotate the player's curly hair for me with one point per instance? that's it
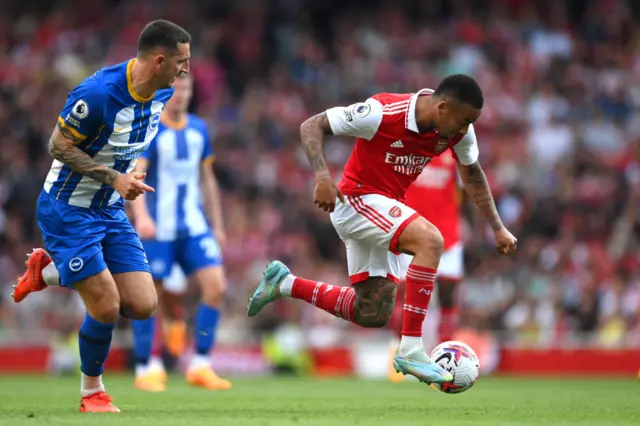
(162, 33)
(462, 88)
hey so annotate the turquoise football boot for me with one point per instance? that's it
(419, 365)
(269, 288)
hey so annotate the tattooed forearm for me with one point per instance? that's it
(62, 148)
(312, 133)
(476, 185)
(375, 300)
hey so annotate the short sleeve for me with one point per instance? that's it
(466, 151)
(83, 113)
(207, 150)
(360, 120)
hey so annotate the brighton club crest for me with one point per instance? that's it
(395, 212)
(441, 146)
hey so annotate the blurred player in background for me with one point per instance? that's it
(174, 228)
(398, 135)
(107, 122)
(435, 195)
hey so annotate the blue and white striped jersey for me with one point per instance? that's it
(115, 124)
(175, 157)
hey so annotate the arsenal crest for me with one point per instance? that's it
(395, 212)
(441, 146)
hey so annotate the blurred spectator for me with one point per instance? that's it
(559, 139)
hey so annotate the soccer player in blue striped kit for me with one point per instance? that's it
(108, 120)
(174, 224)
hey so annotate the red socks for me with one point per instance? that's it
(418, 290)
(338, 301)
(448, 323)
(158, 338)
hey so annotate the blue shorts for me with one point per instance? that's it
(84, 242)
(191, 253)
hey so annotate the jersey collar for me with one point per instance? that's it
(410, 117)
(132, 92)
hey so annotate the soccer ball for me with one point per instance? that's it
(461, 361)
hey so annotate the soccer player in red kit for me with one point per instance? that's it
(397, 136)
(435, 196)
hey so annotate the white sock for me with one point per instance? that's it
(90, 385)
(50, 275)
(394, 342)
(199, 361)
(286, 286)
(410, 344)
(156, 364)
(142, 369)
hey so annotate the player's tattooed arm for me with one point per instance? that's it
(476, 185)
(62, 147)
(375, 300)
(312, 132)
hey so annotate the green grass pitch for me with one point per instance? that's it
(32, 400)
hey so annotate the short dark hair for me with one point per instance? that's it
(162, 33)
(462, 88)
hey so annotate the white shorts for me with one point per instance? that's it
(370, 226)
(451, 263)
(176, 282)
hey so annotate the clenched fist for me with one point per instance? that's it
(505, 242)
(325, 194)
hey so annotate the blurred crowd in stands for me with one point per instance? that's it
(559, 140)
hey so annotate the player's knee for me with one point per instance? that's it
(142, 309)
(213, 295)
(430, 240)
(101, 300)
(106, 312)
(422, 237)
(213, 285)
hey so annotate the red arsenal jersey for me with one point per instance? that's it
(434, 194)
(390, 152)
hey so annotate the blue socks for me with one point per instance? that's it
(143, 332)
(95, 341)
(205, 329)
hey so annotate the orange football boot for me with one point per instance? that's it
(151, 382)
(205, 377)
(98, 402)
(32, 279)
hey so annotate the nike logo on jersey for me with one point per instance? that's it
(397, 144)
